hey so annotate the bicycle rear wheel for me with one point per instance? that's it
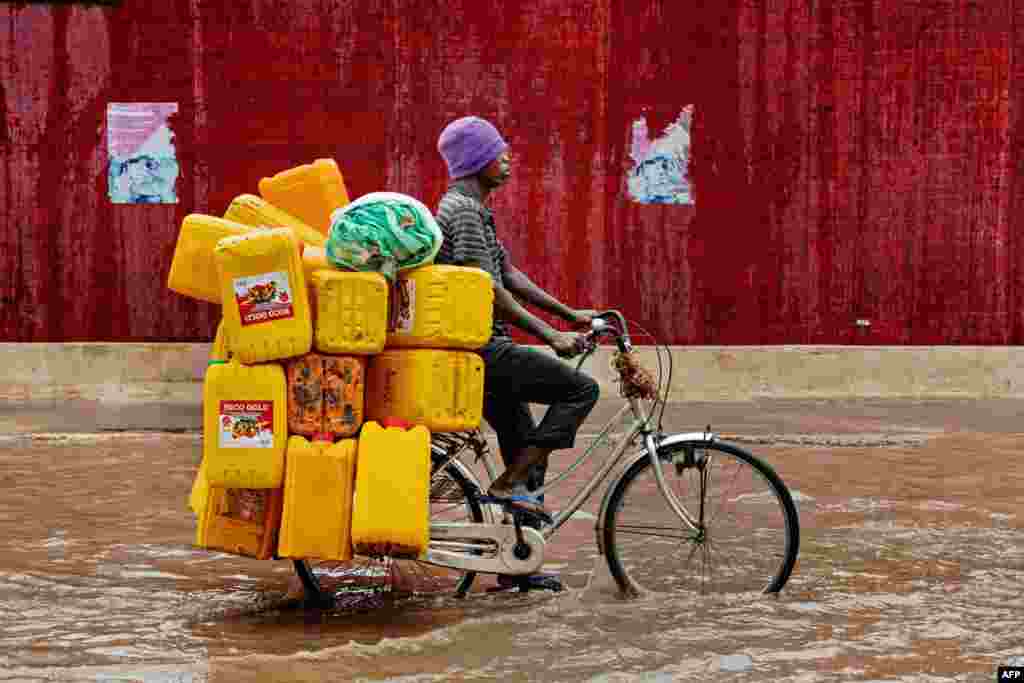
(747, 533)
(453, 498)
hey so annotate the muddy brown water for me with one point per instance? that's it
(911, 569)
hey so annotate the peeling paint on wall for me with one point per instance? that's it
(143, 164)
(660, 173)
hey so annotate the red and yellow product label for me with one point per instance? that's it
(402, 312)
(246, 424)
(265, 297)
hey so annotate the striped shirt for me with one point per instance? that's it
(470, 239)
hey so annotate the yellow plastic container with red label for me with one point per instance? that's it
(310, 192)
(245, 425)
(317, 518)
(266, 304)
(442, 390)
(441, 307)
(241, 522)
(194, 268)
(391, 510)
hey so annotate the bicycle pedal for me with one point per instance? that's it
(502, 589)
(525, 584)
(323, 602)
(547, 583)
(534, 520)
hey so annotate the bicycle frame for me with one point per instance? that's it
(588, 488)
(650, 449)
(515, 559)
(488, 546)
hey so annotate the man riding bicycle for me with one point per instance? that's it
(514, 375)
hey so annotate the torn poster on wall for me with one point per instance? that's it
(143, 166)
(660, 174)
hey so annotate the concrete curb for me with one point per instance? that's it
(108, 373)
(747, 373)
(171, 374)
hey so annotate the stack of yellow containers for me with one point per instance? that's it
(429, 376)
(265, 320)
(429, 372)
(250, 262)
(304, 355)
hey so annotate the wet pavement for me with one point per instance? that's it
(766, 418)
(911, 569)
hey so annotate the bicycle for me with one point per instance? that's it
(688, 494)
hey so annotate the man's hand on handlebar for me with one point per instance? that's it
(567, 344)
(571, 344)
(581, 318)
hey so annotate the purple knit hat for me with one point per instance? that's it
(468, 145)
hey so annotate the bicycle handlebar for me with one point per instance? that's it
(600, 327)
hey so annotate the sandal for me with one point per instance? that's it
(518, 498)
(528, 504)
(526, 509)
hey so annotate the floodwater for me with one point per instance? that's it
(911, 569)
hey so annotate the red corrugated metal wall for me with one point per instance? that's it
(850, 158)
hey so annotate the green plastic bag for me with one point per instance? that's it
(385, 232)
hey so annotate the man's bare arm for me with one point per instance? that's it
(521, 285)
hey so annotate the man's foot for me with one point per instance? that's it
(526, 512)
(518, 473)
(518, 497)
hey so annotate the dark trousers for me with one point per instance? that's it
(516, 375)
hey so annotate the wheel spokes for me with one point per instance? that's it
(742, 538)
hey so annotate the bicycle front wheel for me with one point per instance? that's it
(745, 535)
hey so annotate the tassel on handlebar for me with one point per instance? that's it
(636, 380)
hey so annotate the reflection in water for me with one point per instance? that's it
(911, 568)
